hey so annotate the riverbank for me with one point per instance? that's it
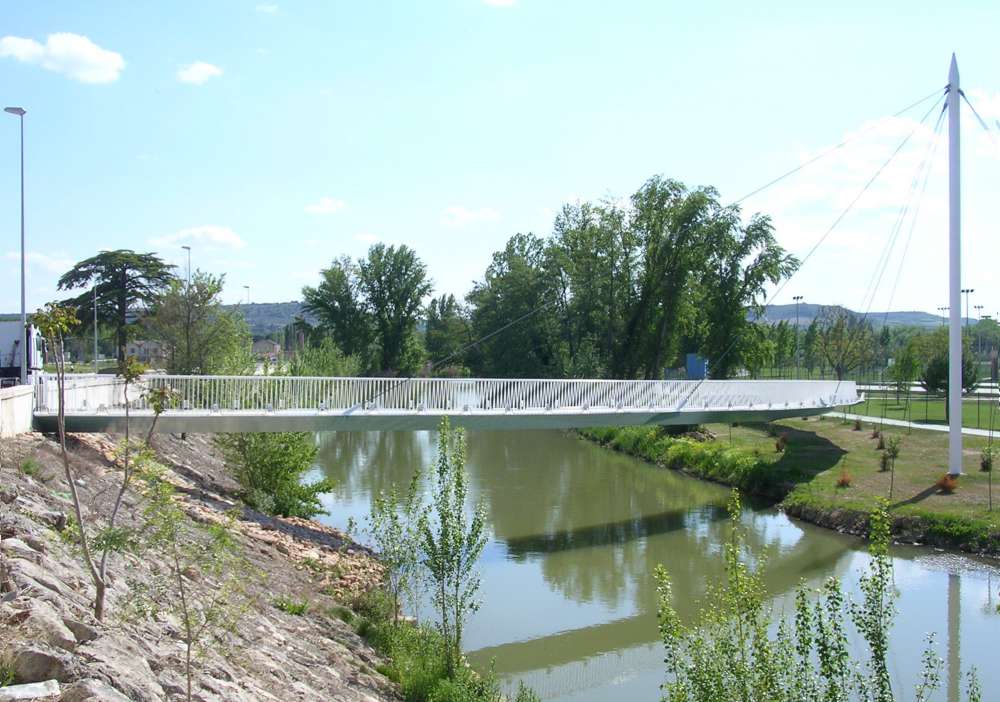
(289, 644)
(819, 453)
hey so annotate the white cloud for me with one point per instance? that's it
(210, 235)
(366, 238)
(267, 8)
(52, 264)
(73, 55)
(500, 3)
(198, 73)
(326, 205)
(456, 216)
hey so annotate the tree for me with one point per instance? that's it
(270, 468)
(339, 307)
(371, 307)
(394, 528)
(127, 283)
(844, 340)
(205, 584)
(514, 311)
(199, 336)
(742, 260)
(740, 648)
(904, 370)
(810, 350)
(447, 330)
(395, 284)
(55, 322)
(452, 543)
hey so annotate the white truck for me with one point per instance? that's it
(14, 338)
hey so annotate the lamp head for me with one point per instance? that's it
(19, 111)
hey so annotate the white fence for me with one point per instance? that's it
(85, 392)
(276, 393)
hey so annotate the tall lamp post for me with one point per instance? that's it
(979, 330)
(24, 316)
(942, 310)
(188, 249)
(798, 299)
(967, 292)
(247, 288)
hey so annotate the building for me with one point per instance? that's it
(151, 353)
(266, 348)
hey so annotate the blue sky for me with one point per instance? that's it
(272, 137)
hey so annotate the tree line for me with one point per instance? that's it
(616, 290)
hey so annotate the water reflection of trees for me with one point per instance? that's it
(598, 522)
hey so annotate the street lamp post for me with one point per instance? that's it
(24, 315)
(942, 310)
(967, 292)
(95, 327)
(247, 288)
(188, 248)
(979, 330)
(798, 299)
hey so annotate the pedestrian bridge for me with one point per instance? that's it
(212, 404)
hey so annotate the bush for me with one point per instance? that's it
(884, 462)
(30, 466)
(781, 443)
(270, 468)
(290, 606)
(986, 459)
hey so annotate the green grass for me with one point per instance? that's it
(818, 453)
(930, 410)
(290, 606)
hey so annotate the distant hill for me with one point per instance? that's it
(265, 318)
(778, 313)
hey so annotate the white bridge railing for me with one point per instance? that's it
(95, 394)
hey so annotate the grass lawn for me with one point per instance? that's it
(930, 410)
(819, 450)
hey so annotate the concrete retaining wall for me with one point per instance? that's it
(16, 407)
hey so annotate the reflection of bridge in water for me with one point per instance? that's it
(281, 403)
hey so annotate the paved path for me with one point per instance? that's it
(968, 431)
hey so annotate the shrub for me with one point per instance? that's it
(884, 462)
(947, 484)
(742, 648)
(986, 459)
(270, 468)
(781, 443)
(289, 606)
(844, 481)
(30, 467)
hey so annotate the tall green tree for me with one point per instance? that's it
(127, 284)
(370, 307)
(197, 333)
(447, 330)
(846, 342)
(395, 284)
(339, 306)
(741, 261)
(517, 295)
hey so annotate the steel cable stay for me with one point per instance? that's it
(402, 382)
(842, 215)
(913, 197)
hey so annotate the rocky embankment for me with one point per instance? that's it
(47, 630)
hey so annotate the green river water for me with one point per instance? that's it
(568, 596)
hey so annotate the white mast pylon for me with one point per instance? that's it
(955, 275)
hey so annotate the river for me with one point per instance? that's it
(569, 604)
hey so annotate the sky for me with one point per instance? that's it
(274, 137)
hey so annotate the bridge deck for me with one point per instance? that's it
(270, 403)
